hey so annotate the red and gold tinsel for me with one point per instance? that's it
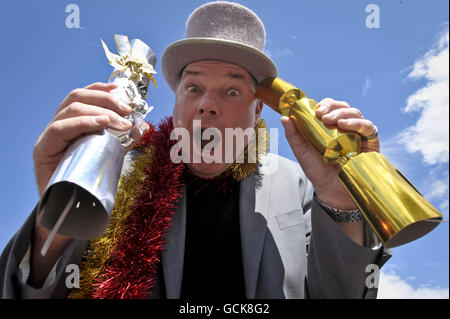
(123, 262)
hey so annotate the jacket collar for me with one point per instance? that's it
(253, 203)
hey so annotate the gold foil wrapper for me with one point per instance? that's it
(287, 100)
(391, 205)
(394, 209)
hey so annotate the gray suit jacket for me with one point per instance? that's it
(291, 248)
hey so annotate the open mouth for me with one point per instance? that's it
(209, 137)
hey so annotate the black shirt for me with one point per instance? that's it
(213, 255)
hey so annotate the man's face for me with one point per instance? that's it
(219, 94)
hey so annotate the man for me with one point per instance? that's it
(265, 236)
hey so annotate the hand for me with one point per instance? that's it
(324, 177)
(83, 111)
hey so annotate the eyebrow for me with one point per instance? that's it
(187, 72)
(231, 75)
(235, 75)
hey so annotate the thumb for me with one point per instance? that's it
(136, 134)
(290, 130)
(289, 127)
(293, 136)
(146, 128)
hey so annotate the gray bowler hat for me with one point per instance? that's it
(223, 31)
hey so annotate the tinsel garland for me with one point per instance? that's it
(123, 262)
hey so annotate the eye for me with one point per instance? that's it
(233, 92)
(193, 89)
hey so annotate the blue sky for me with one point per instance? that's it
(396, 75)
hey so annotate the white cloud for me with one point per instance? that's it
(430, 134)
(282, 52)
(278, 52)
(444, 206)
(394, 151)
(366, 86)
(432, 182)
(438, 188)
(275, 52)
(433, 264)
(391, 286)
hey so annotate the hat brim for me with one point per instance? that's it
(183, 52)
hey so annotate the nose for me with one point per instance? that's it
(208, 105)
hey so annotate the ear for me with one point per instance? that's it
(258, 110)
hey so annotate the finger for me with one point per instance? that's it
(136, 134)
(293, 136)
(339, 114)
(289, 127)
(95, 97)
(59, 134)
(145, 127)
(302, 150)
(327, 105)
(101, 86)
(80, 109)
(361, 126)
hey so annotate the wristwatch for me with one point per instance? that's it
(341, 215)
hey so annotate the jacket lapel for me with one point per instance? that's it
(253, 203)
(172, 256)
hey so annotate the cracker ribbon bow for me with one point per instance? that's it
(134, 67)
